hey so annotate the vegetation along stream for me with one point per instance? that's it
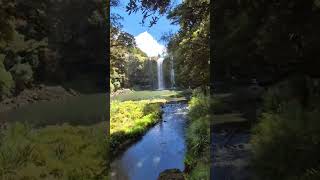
(162, 147)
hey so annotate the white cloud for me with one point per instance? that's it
(149, 45)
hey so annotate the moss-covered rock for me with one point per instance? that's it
(171, 174)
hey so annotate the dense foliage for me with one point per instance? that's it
(273, 41)
(289, 128)
(129, 66)
(267, 40)
(189, 48)
(198, 138)
(51, 41)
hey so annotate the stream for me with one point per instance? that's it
(162, 147)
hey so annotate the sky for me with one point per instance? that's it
(147, 39)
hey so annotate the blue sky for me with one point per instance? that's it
(148, 38)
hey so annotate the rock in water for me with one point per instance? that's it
(171, 174)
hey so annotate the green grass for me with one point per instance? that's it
(54, 152)
(198, 138)
(78, 110)
(130, 119)
(143, 95)
(55, 137)
(51, 137)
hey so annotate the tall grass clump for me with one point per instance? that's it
(198, 137)
(53, 152)
(130, 119)
(286, 140)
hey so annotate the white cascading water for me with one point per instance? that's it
(160, 73)
(172, 76)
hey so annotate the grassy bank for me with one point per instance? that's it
(47, 140)
(197, 158)
(131, 119)
(143, 95)
(54, 152)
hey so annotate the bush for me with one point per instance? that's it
(286, 140)
(200, 172)
(198, 137)
(116, 85)
(199, 105)
(6, 82)
(302, 89)
(112, 88)
(22, 74)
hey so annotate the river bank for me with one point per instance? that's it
(161, 148)
(133, 113)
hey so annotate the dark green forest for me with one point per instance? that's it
(52, 42)
(267, 40)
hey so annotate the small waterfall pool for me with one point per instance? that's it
(161, 148)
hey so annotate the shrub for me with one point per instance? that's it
(22, 74)
(302, 89)
(116, 85)
(6, 82)
(112, 88)
(200, 172)
(199, 105)
(198, 137)
(287, 135)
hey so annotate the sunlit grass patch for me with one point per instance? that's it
(144, 95)
(130, 119)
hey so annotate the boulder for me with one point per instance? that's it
(171, 174)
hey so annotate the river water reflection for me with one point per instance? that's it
(161, 148)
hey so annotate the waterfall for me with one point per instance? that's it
(160, 73)
(172, 75)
